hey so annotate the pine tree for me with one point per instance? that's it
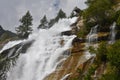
(25, 28)
(44, 23)
(52, 22)
(75, 12)
(60, 15)
(72, 14)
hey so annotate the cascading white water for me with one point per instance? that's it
(91, 38)
(10, 44)
(44, 55)
(66, 76)
(112, 33)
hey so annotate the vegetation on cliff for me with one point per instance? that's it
(107, 55)
(107, 60)
(101, 13)
(106, 64)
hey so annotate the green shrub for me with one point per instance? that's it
(111, 73)
(98, 12)
(90, 72)
(114, 54)
(81, 33)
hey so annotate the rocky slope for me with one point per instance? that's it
(80, 65)
(77, 65)
(6, 36)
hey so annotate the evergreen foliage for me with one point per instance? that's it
(109, 54)
(114, 54)
(60, 15)
(52, 22)
(25, 28)
(117, 17)
(72, 14)
(75, 12)
(44, 23)
(99, 12)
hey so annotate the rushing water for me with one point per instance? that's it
(65, 77)
(91, 38)
(44, 55)
(112, 33)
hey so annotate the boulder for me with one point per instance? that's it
(68, 33)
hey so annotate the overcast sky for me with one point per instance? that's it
(12, 10)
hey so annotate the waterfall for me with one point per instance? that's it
(66, 76)
(9, 45)
(91, 38)
(112, 33)
(45, 53)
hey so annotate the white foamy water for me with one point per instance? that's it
(112, 33)
(66, 76)
(10, 44)
(43, 56)
(91, 38)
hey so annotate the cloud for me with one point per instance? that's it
(12, 11)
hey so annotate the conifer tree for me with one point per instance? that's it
(25, 28)
(72, 14)
(52, 22)
(75, 12)
(60, 15)
(44, 23)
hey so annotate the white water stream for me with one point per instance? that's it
(92, 36)
(44, 55)
(112, 33)
(91, 41)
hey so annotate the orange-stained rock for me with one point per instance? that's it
(75, 61)
(78, 45)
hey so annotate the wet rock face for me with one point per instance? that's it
(67, 67)
(71, 32)
(23, 48)
(103, 36)
(77, 45)
(78, 40)
(10, 50)
(81, 70)
(71, 67)
(104, 29)
(9, 56)
(118, 35)
(76, 59)
(68, 33)
(26, 46)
